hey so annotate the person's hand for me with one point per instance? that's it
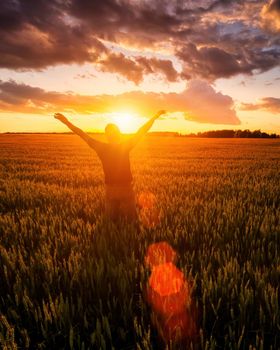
(60, 117)
(159, 113)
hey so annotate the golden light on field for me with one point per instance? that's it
(54, 184)
(139, 174)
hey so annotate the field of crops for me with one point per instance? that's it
(71, 280)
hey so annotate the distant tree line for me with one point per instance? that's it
(256, 134)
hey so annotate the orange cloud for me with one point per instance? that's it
(198, 102)
(270, 104)
(271, 15)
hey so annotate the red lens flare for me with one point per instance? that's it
(169, 295)
(160, 253)
(149, 214)
(147, 200)
(168, 292)
(166, 279)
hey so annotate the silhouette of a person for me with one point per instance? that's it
(114, 156)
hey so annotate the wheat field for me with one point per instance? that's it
(69, 279)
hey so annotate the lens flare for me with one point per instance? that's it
(160, 253)
(149, 214)
(147, 200)
(166, 279)
(168, 292)
(169, 295)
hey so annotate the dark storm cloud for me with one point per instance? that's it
(270, 104)
(37, 36)
(212, 62)
(136, 68)
(10, 16)
(211, 38)
(216, 107)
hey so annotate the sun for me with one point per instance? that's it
(127, 122)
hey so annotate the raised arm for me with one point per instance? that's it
(144, 129)
(90, 141)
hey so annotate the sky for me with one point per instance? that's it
(211, 64)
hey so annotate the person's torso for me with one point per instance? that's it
(116, 164)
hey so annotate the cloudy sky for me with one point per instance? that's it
(212, 64)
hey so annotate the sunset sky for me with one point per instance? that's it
(212, 64)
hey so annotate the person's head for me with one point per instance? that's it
(113, 133)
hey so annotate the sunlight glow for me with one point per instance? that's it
(127, 122)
